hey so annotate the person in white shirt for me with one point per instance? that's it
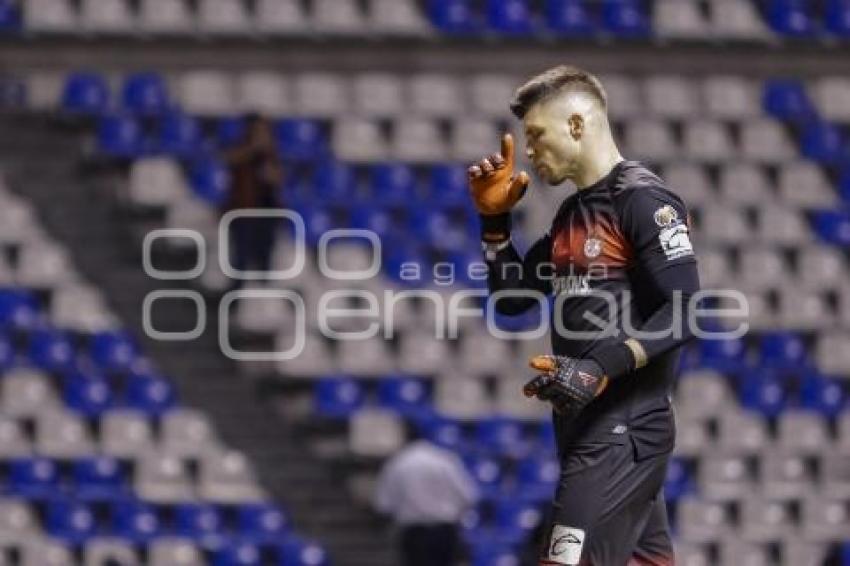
(426, 490)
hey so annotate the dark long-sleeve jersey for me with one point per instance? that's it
(619, 264)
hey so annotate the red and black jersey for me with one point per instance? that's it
(618, 263)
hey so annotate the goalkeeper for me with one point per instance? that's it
(617, 251)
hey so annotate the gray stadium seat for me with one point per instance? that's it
(81, 307)
(679, 20)
(831, 95)
(26, 393)
(708, 141)
(156, 181)
(692, 435)
(802, 309)
(316, 358)
(512, 403)
(187, 433)
(482, 353)
(715, 268)
(418, 140)
(359, 140)
(824, 519)
(161, 478)
(670, 96)
(784, 475)
(280, 17)
(651, 140)
(192, 214)
(783, 225)
(49, 16)
(724, 477)
(763, 520)
(744, 183)
(702, 394)
(44, 265)
(420, 352)
(842, 433)
(766, 141)
(471, 137)
(166, 17)
(17, 223)
(173, 551)
(820, 267)
(378, 95)
(263, 92)
(703, 521)
(803, 184)
(804, 432)
(223, 17)
(625, 100)
(742, 432)
(461, 397)
(370, 357)
(45, 552)
(338, 17)
(688, 554)
(321, 95)
(18, 522)
(760, 314)
(730, 97)
(765, 268)
(797, 552)
(375, 433)
(396, 17)
(107, 16)
(743, 553)
(63, 435)
(490, 94)
(14, 440)
(44, 89)
(226, 477)
(436, 96)
(104, 551)
(125, 433)
(207, 92)
(262, 315)
(736, 19)
(832, 353)
(721, 224)
(835, 474)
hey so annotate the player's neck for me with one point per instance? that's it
(598, 165)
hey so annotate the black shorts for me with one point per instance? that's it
(609, 509)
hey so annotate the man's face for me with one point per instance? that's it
(549, 144)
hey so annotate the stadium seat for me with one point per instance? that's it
(765, 268)
(145, 93)
(299, 552)
(417, 140)
(702, 521)
(487, 472)
(223, 17)
(261, 523)
(135, 521)
(120, 136)
(107, 17)
(625, 18)
(337, 397)
(338, 17)
(782, 350)
(165, 17)
(831, 95)
(764, 394)
(678, 482)
(569, 18)
(179, 135)
(462, 397)
(156, 181)
(453, 16)
(786, 99)
(321, 95)
(198, 521)
(537, 477)
(735, 549)
(263, 92)
(502, 437)
(434, 95)
(671, 97)
(26, 393)
(470, 137)
(406, 396)
(88, 396)
(150, 394)
(823, 395)
(708, 141)
(33, 478)
(744, 183)
(280, 17)
(835, 474)
(14, 440)
(763, 520)
(730, 97)
(817, 193)
(651, 140)
(396, 17)
(209, 179)
(837, 18)
(378, 95)
(741, 433)
(62, 434)
(207, 93)
(187, 433)
(162, 479)
(359, 140)
(85, 93)
(680, 20)
(510, 17)
(113, 351)
(51, 350)
(824, 143)
(444, 432)
(300, 139)
(99, 478)
(832, 226)
(108, 550)
(802, 432)
(174, 551)
(227, 478)
(375, 433)
(70, 522)
(781, 225)
(824, 519)
(625, 99)
(724, 477)
(790, 18)
(702, 393)
(765, 141)
(50, 16)
(783, 475)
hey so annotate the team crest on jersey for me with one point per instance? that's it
(592, 247)
(565, 545)
(666, 216)
(675, 241)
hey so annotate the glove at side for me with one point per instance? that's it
(570, 384)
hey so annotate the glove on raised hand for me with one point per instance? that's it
(494, 187)
(569, 384)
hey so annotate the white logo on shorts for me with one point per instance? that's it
(565, 545)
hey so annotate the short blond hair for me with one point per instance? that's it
(555, 81)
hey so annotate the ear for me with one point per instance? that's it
(576, 123)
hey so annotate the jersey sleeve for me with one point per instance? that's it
(657, 225)
(509, 271)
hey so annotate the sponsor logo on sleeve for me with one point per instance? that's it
(565, 545)
(673, 237)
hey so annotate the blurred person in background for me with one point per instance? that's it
(255, 176)
(426, 490)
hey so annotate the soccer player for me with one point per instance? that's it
(617, 251)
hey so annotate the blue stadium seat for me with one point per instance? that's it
(318, 219)
(297, 552)
(407, 396)
(453, 16)
(334, 182)
(833, 226)
(300, 139)
(237, 553)
(70, 521)
(724, 355)
(375, 219)
(7, 353)
(824, 143)
(487, 472)
(33, 478)
(678, 481)
(823, 395)
(490, 554)
(765, 394)
(152, 395)
(179, 135)
(99, 478)
(90, 397)
(837, 17)
(399, 256)
(537, 477)
(464, 263)
(210, 180)
(51, 350)
(443, 432)
(782, 350)
(844, 185)
(569, 18)
(262, 523)
(113, 350)
(145, 93)
(18, 309)
(120, 136)
(625, 18)
(448, 184)
(135, 521)
(337, 397)
(791, 18)
(511, 17)
(502, 436)
(85, 93)
(229, 131)
(786, 99)
(516, 518)
(392, 183)
(198, 521)
(10, 16)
